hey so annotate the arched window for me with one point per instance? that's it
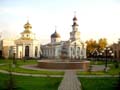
(36, 51)
(119, 54)
(115, 54)
(26, 51)
(78, 51)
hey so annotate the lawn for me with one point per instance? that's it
(31, 83)
(111, 71)
(99, 83)
(22, 70)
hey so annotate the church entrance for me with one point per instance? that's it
(27, 51)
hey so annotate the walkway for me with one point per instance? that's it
(70, 81)
(28, 74)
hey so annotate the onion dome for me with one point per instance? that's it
(75, 18)
(55, 35)
(75, 24)
(27, 25)
(75, 21)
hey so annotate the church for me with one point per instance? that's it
(73, 48)
(27, 46)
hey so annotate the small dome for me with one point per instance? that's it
(55, 35)
(27, 25)
(75, 18)
(75, 24)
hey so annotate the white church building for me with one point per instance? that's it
(27, 46)
(74, 48)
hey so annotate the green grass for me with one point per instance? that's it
(101, 83)
(111, 71)
(22, 70)
(32, 83)
(2, 61)
(91, 73)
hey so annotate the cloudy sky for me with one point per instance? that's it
(96, 18)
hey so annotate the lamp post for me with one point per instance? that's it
(95, 54)
(14, 54)
(107, 52)
(100, 54)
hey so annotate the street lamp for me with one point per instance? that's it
(100, 54)
(95, 54)
(14, 54)
(107, 52)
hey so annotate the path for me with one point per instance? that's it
(95, 68)
(70, 81)
(28, 74)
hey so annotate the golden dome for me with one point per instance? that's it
(55, 35)
(27, 25)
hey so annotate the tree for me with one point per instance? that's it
(102, 42)
(91, 45)
(94, 45)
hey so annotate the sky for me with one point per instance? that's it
(96, 18)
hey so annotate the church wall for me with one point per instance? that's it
(6, 44)
(19, 51)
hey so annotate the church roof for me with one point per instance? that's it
(55, 35)
(27, 25)
(26, 31)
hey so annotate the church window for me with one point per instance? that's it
(74, 51)
(78, 51)
(115, 54)
(119, 53)
(27, 35)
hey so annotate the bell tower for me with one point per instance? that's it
(75, 34)
(27, 33)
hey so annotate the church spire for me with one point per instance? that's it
(75, 18)
(75, 34)
(75, 25)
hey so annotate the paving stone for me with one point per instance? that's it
(70, 81)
